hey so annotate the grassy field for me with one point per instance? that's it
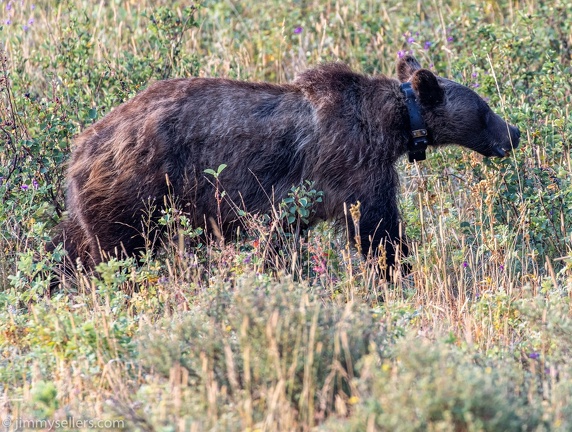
(476, 338)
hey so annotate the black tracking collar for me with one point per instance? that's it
(419, 137)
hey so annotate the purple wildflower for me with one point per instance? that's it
(31, 21)
(534, 355)
(8, 21)
(427, 45)
(163, 280)
(25, 27)
(9, 6)
(24, 187)
(410, 39)
(474, 74)
(33, 7)
(501, 267)
(476, 85)
(450, 39)
(400, 54)
(35, 183)
(247, 260)
(465, 264)
(298, 30)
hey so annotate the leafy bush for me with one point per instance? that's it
(275, 350)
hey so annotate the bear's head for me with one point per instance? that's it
(455, 114)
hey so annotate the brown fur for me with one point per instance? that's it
(340, 129)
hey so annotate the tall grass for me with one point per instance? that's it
(243, 336)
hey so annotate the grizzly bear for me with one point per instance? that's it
(342, 130)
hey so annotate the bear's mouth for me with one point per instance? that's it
(500, 151)
(503, 147)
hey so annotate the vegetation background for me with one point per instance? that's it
(477, 338)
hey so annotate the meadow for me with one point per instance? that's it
(476, 338)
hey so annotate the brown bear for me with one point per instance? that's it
(342, 130)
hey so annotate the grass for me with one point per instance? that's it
(476, 338)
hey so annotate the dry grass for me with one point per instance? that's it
(238, 336)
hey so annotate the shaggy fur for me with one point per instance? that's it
(342, 130)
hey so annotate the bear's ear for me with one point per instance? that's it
(425, 84)
(406, 66)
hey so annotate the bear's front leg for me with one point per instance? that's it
(380, 234)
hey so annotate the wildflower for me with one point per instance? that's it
(25, 27)
(35, 184)
(400, 53)
(450, 39)
(33, 7)
(534, 355)
(8, 21)
(24, 187)
(31, 21)
(410, 39)
(298, 30)
(247, 260)
(320, 269)
(501, 267)
(465, 264)
(319, 265)
(427, 45)
(9, 6)
(163, 280)
(476, 85)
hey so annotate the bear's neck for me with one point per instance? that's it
(385, 108)
(363, 124)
